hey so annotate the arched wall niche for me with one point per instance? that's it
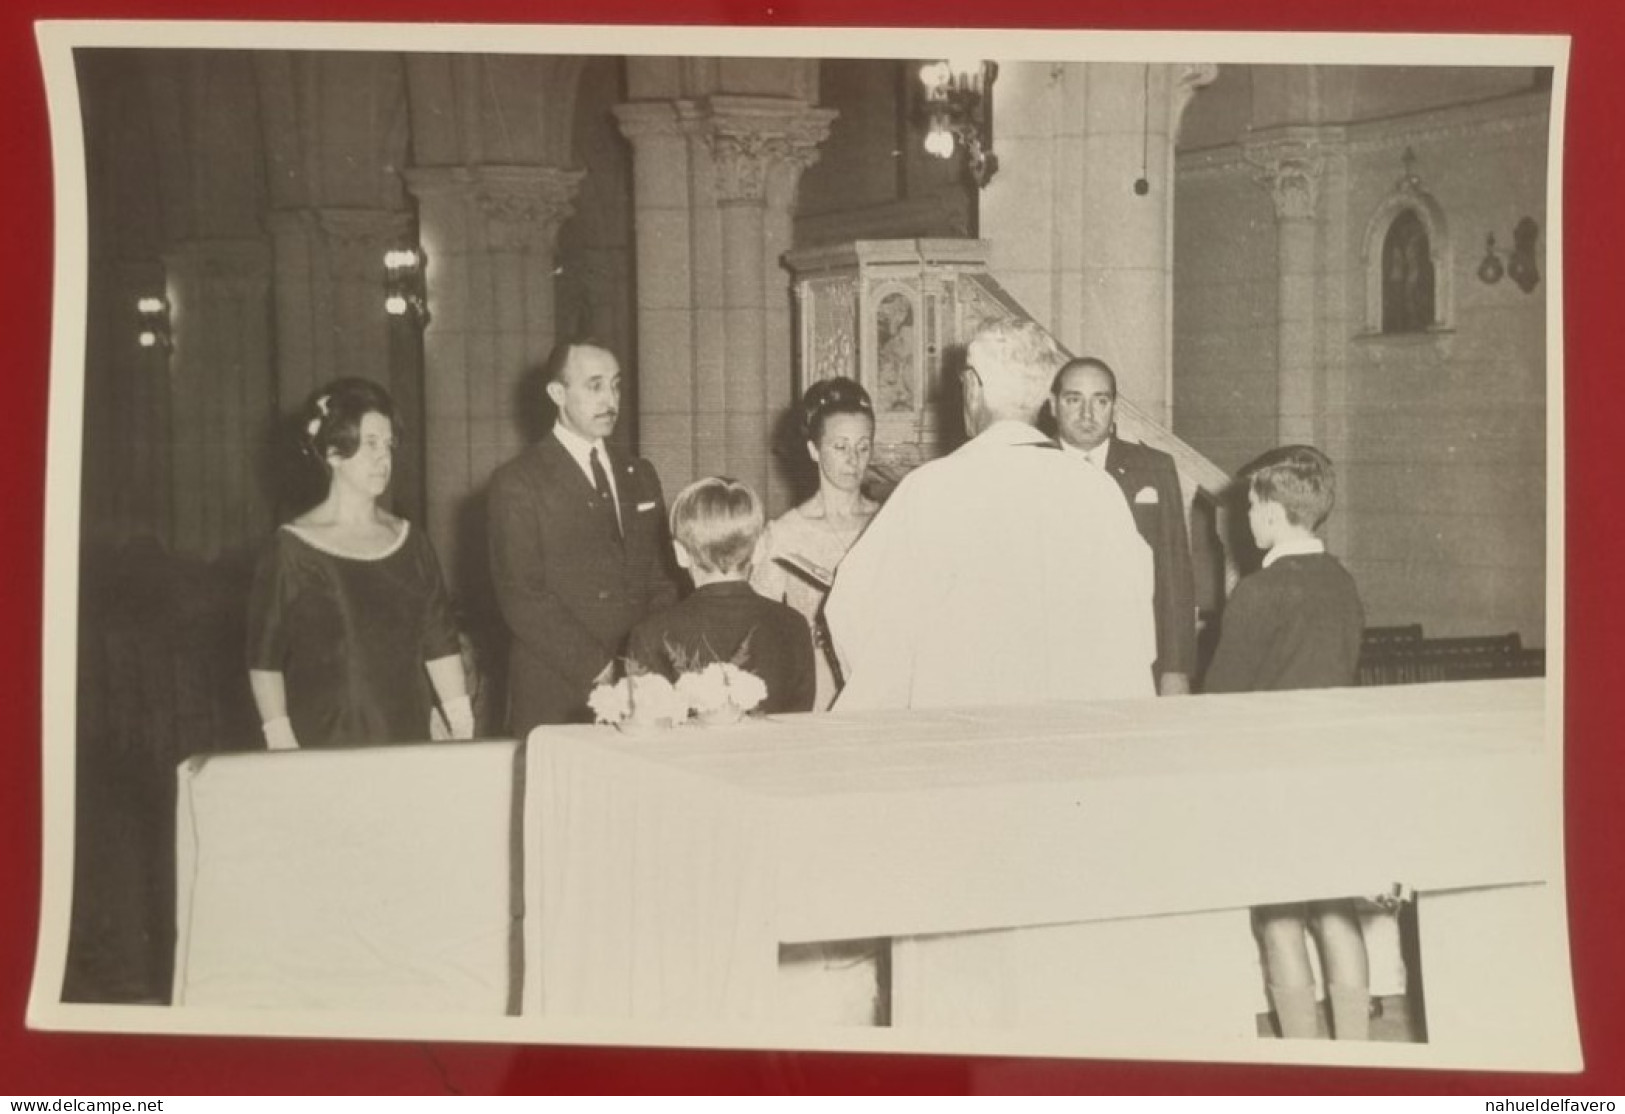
(1407, 203)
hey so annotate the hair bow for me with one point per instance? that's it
(316, 422)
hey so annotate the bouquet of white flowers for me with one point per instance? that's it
(719, 692)
(638, 700)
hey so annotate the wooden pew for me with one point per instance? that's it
(1400, 655)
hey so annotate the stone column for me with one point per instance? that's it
(1291, 164)
(714, 189)
(221, 389)
(1020, 211)
(1120, 309)
(1333, 313)
(1185, 81)
(669, 329)
(330, 295)
(778, 333)
(489, 234)
(1075, 239)
(759, 151)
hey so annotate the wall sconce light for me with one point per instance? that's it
(1520, 260)
(405, 293)
(152, 315)
(959, 103)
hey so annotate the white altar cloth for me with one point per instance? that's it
(673, 865)
(1081, 873)
(374, 879)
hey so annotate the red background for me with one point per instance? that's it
(60, 1064)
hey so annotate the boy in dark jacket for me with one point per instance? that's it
(1296, 624)
(715, 525)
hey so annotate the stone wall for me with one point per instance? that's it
(1439, 436)
(1446, 476)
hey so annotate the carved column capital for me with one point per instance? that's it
(742, 160)
(283, 224)
(525, 203)
(356, 240)
(751, 137)
(353, 241)
(347, 229)
(1291, 167)
(523, 206)
(640, 120)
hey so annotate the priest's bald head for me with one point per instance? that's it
(1009, 366)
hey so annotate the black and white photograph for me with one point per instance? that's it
(1013, 543)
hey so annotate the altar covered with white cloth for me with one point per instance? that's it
(1088, 866)
(378, 878)
(1081, 869)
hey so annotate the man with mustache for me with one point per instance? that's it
(578, 545)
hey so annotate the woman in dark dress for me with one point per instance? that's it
(351, 639)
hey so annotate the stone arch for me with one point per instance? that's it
(492, 109)
(1418, 219)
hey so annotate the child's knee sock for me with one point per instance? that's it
(1351, 1012)
(1296, 1011)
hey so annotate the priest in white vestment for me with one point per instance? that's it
(1007, 572)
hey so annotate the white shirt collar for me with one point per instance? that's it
(1296, 547)
(577, 445)
(1095, 456)
(580, 450)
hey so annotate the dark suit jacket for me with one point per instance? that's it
(569, 588)
(711, 625)
(1150, 482)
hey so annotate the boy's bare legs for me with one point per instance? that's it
(1348, 978)
(1286, 969)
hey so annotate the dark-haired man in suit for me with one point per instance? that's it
(1084, 397)
(578, 545)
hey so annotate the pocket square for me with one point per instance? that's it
(645, 507)
(1147, 495)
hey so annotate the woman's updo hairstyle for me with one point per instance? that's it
(331, 420)
(837, 395)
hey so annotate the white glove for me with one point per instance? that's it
(460, 713)
(458, 722)
(279, 734)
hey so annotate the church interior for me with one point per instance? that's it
(1346, 256)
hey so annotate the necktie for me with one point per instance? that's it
(600, 480)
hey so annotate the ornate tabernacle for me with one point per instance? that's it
(890, 314)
